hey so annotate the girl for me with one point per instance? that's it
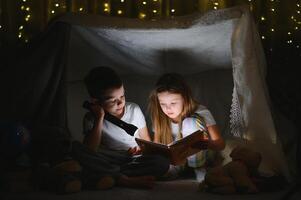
(175, 114)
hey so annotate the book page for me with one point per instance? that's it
(148, 147)
(187, 146)
(177, 151)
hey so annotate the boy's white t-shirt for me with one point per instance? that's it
(114, 137)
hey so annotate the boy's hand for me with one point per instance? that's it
(98, 111)
(134, 150)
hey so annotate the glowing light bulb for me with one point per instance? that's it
(262, 18)
(154, 11)
(57, 5)
(216, 3)
(21, 27)
(272, 30)
(121, 1)
(289, 33)
(22, 7)
(80, 9)
(106, 10)
(52, 11)
(142, 15)
(119, 12)
(272, 9)
(106, 5)
(215, 8)
(172, 10)
(27, 9)
(144, 2)
(262, 37)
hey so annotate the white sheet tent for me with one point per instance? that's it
(219, 53)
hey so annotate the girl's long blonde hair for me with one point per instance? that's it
(173, 83)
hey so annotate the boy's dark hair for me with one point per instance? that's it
(100, 79)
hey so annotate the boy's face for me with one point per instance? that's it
(114, 101)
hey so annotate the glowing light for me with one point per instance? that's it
(0, 26)
(121, 1)
(296, 28)
(154, 11)
(262, 37)
(216, 3)
(119, 12)
(80, 9)
(22, 7)
(142, 15)
(172, 10)
(298, 5)
(262, 18)
(106, 5)
(272, 29)
(292, 17)
(155, 0)
(21, 27)
(24, 0)
(272, 9)
(215, 8)
(52, 11)
(27, 9)
(26, 40)
(289, 41)
(298, 11)
(144, 2)
(57, 5)
(19, 35)
(106, 10)
(289, 33)
(298, 46)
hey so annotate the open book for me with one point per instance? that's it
(178, 150)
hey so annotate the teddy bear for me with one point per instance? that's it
(236, 175)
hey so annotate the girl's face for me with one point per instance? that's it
(171, 104)
(114, 102)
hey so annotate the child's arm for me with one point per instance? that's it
(216, 141)
(143, 134)
(93, 139)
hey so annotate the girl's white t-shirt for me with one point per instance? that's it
(190, 128)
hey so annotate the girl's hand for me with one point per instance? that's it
(134, 150)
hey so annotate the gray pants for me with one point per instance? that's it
(115, 163)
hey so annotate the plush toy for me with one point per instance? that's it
(235, 176)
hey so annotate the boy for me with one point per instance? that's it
(109, 154)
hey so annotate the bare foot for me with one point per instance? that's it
(146, 182)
